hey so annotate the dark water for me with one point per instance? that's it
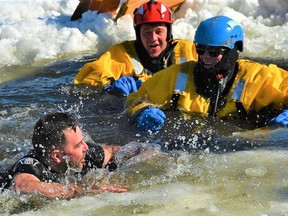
(35, 90)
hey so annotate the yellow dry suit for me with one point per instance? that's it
(122, 60)
(255, 87)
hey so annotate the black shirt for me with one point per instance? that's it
(30, 164)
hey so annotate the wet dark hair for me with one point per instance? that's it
(49, 132)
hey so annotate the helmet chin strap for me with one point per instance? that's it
(153, 65)
(226, 66)
(211, 83)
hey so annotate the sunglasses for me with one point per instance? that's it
(213, 52)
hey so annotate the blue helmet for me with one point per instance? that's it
(220, 31)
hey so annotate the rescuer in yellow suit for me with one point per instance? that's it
(125, 66)
(218, 85)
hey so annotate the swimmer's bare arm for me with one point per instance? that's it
(27, 183)
(109, 152)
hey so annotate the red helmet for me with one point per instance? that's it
(152, 11)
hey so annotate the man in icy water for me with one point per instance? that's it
(59, 147)
(218, 85)
(124, 67)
